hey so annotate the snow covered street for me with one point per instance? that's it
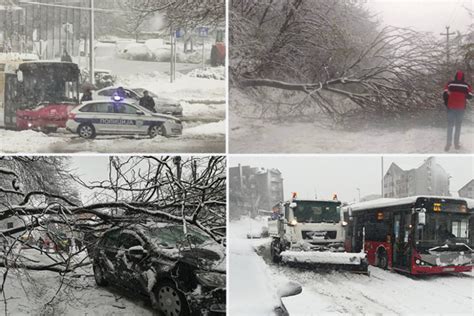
(27, 293)
(255, 280)
(311, 138)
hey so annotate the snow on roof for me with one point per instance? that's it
(470, 203)
(385, 202)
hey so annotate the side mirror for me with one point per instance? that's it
(140, 113)
(19, 76)
(290, 289)
(422, 217)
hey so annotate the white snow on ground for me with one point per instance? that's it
(185, 88)
(217, 73)
(65, 142)
(254, 136)
(254, 280)
(27, 293)
(252, 288)
(203, 110)
(207, 129)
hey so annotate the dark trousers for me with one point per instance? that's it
(454, 123)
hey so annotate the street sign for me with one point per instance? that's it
(68, 28)
(203, 31)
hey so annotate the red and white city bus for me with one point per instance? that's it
(416, 235)
(37, 94)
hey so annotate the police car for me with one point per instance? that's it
(118, 117)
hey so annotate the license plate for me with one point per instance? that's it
(448, 269)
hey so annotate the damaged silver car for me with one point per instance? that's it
(180, 268)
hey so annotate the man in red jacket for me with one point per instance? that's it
(455, 94)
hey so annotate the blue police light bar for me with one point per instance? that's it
(117, 98)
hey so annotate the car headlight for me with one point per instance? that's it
(211, 279)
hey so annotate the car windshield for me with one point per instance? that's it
(316, 212)
(173, 235)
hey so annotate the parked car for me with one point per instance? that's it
(45, 117)
(162, 105)
(102, 78)
(182, 274)
(120, 118)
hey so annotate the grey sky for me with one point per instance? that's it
(89, 168)
(423, 15)
(344, 174)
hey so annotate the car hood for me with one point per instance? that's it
(171, 117)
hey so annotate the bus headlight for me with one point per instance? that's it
(293, 222)
(417, 261)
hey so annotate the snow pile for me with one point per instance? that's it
(323, 257)
(253, 289)
(203, 109)
(207, 129)
(160, 50)
(217, 73)
(136, 51)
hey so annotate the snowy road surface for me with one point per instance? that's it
(255, 281)
(249, 135)
(200, 138)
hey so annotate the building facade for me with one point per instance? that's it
(254, 189)
(428, 179)
(467, 191)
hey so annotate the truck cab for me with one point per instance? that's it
(308, 225)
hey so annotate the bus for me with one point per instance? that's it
(28, 85)
(416, 235)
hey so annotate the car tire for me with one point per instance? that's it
(156, 130)
(49, 130)
(99, 275)
(86, 131)
(382, 259)
(169, 300)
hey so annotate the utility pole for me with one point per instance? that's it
(91, 44)
(447, 43)
(382, 182)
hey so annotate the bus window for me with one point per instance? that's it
(459, 228)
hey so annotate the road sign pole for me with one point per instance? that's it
(203, 58)
(91, 45)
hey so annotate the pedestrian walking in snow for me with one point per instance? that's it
(147, 102)
(455, 94)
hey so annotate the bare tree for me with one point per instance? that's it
(322, 53)
(182, 190)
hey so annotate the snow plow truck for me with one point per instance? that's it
(311, 233)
